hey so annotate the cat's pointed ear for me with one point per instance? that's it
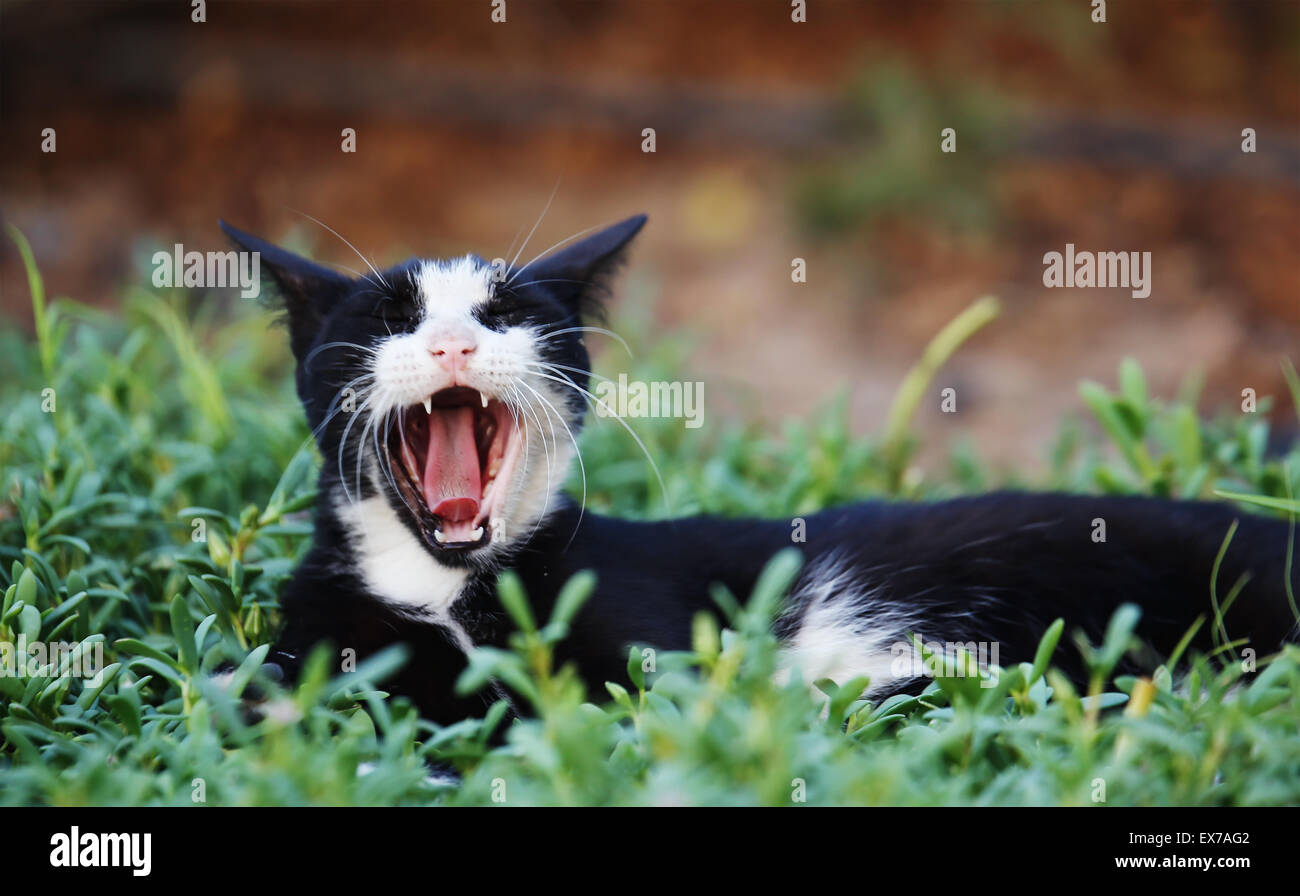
(308, 290)
(580, 273)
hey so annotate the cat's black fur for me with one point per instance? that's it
(994, 568)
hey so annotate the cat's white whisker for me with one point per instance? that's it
(549, 408)
(577, 452)
(373, 269)
(546, 449)
(332, 410)
(578, 370)
(602, 330)
(514, 404)
(536, 224)
(564, 380)
(366, 351)
(510, 250)
(382, 456)
(541, 255)
(521, 286)
(343, 442)
(367, 426)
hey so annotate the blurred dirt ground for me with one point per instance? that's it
(775, 140)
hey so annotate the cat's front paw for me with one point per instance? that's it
(255, 703)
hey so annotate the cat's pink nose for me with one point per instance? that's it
(452, 352)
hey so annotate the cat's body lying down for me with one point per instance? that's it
(446, 398)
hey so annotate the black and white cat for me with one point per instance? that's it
(446, 397)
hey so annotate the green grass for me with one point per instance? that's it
(167, 413)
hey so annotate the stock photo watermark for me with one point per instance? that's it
(946, 659)
(1100, 270)
(76, 849)
(60, 659)
(638, 398)
(209, 270)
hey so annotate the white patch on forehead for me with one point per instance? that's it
(452, 288)
(394, 565)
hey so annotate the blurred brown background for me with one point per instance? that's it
(775, 140)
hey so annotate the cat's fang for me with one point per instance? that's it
(428, 404)
(483, 395)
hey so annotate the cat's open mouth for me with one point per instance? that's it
(453, 456)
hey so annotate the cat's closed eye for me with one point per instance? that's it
(506, 305)
(392, 310)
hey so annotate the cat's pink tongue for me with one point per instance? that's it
(451, 473)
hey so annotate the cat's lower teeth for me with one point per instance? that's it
(476, 535)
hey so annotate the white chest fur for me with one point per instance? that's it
(397, 568)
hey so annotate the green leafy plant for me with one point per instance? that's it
(155, 500)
